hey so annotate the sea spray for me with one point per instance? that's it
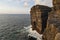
(33, 33)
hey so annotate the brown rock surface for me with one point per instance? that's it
(52, 30)
(57, 37)
(39, 16)
(53, 26)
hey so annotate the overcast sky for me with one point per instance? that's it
(20, 6)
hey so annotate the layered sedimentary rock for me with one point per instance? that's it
(39, 16)
(46, 20)
(52, 31)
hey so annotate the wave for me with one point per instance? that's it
(32, 33)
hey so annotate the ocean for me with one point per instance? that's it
(12, 26)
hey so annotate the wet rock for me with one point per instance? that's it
(39, 16)
(32, 38)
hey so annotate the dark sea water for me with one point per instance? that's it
(12, 26)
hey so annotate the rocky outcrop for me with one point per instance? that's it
(49, 28)
(53, 28)
(39, 16)
(52, 31)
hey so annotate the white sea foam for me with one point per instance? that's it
(33, 33)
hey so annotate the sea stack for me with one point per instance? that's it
(39, 16)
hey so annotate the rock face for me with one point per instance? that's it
(57, 37)
(46, 20)
(39, 16)
(53, 27)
